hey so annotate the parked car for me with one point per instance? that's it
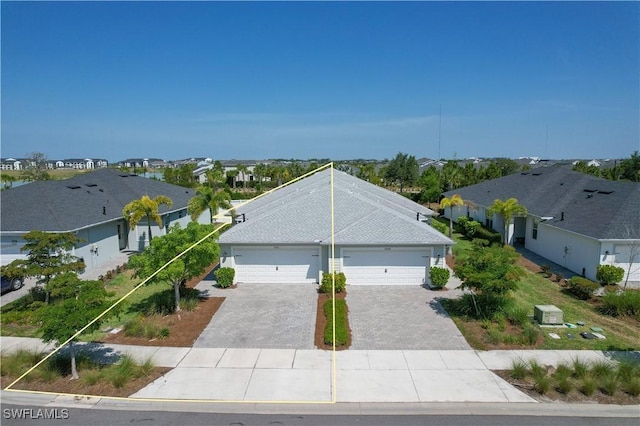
(9, 284)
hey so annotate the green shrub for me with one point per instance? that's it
(489, 235)
(633, 386)
(536, 369)
(580, 369)
(563, 371)
(327, 282)
(518, 315)
(342, 325)
(530, 334)
(625, 303)
(609, 274)
(542, 384)
(564, 385)
(588, 386)
(602, 369)
(225, 277)
(518, 370)
(134, 327)
(189, 303)
(439, 276)
(581, 288)
(439, 226)
(546, 270)
(609, 385)
(164, 333)
(91, 377)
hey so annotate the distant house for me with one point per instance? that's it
(10, 164)
(81, 163)
(152, 163)
(231, 165)
(576, 220)
(380, 237)
(90, 205)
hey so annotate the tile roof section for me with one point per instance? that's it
(78, 202)
(578, 202)
(364, 214)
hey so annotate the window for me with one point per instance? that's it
(488, 223)
(534, 231)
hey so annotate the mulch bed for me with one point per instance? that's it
(64, 385)
(575, 396)
(184, 327)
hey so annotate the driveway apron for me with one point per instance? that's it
(270, 316)
(401, 317)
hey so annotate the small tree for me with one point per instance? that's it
(48, 255)
(164, 249)
(75, 304)
(37, 168)
(609, 274)
(492, 274)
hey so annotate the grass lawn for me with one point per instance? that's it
(55, 174)
(16, 319)
(533, 289)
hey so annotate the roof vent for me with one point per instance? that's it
(91, 185)
(605, 192)
(590, 190)
(536, 174)
(74, 186)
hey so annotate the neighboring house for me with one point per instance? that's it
(89, 205)
(576, 220)
(380, 237)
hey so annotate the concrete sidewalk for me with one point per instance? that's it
(294, 375)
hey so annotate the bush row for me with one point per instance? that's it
(342, 323)
(327, 282)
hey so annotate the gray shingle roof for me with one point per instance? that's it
(364, 214)
(75, 203)
(592, 206)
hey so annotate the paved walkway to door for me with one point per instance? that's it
(401, 317)
(261, 316)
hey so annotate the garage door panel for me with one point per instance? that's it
(385, 267)
(277, 265)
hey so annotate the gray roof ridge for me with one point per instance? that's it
(393, 213)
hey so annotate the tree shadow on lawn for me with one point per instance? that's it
(163, 302)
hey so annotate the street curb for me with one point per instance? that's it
(359, 408)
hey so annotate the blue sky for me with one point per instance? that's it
(320, 80)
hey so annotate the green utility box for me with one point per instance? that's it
(548, 315)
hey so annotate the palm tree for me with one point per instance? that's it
(207, 198)
(147, 208)
(215, 176)
(455, 200)
(242, 169)
(507, 209)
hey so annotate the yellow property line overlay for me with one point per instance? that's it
(333, 292)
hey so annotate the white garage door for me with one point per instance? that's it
(394, 266)
(277, 265)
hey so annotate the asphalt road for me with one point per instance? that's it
(23, 415)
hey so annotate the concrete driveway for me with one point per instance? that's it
(401, 317)
(262, 316)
